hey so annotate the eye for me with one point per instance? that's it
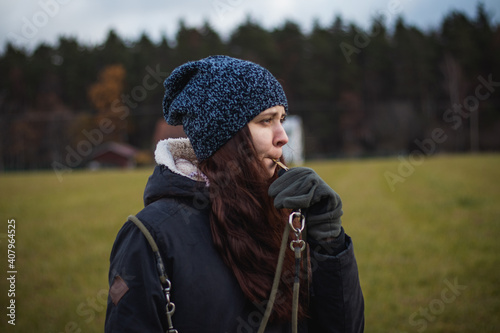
(267, 120)
(283, 119)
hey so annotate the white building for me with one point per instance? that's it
(293, 152)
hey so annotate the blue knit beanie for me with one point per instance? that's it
(213, 98)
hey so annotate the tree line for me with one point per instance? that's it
(360, 92)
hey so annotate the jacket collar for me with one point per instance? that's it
(179, 157)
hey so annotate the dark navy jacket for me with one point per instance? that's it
(206, 294)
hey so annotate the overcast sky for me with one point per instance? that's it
(29, 22)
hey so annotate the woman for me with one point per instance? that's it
(216, 209)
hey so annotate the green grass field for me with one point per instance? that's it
(428, 251)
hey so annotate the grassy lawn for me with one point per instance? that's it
(426, 246)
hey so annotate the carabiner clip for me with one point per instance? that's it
(293, 215)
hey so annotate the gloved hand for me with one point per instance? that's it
(302, 188)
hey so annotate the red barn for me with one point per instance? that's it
(113, 154)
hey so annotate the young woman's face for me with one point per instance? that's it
(269, 136)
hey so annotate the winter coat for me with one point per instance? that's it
(205, 292)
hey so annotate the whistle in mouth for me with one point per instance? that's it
(281, 165)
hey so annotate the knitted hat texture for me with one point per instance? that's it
(213, 98)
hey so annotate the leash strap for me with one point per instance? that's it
(276, 280)
(297, 245)
(162, 273)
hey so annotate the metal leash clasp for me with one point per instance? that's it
(170, 307)
(297, 245)
(298, 241)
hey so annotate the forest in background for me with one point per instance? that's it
(378, 91)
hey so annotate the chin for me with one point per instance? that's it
(272, 170)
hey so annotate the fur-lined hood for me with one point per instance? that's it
(178, 155)
(176, 174)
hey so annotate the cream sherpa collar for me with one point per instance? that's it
(178, 155)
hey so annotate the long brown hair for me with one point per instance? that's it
(246, 227)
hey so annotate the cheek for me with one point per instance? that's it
(262, 143)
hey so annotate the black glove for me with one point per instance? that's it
(302, 188)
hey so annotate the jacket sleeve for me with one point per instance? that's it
(337, 304)
(135, 302)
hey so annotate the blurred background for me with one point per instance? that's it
(395, 103)
(81, 83)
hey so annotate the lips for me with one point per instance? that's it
(270, 163)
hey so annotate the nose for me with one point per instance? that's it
(280, 138)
